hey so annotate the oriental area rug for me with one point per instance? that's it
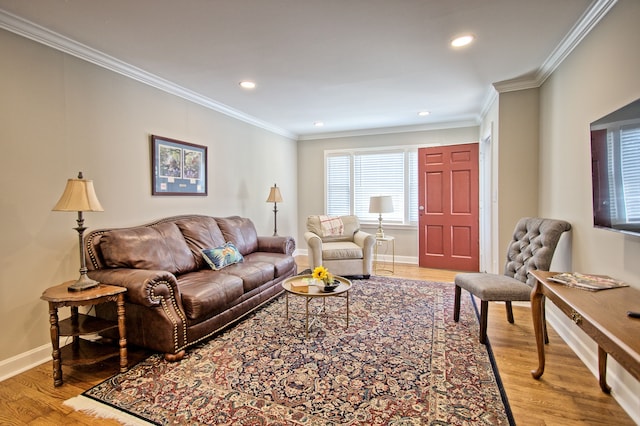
(401, 361)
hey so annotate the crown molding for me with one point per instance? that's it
(463, 122)
(585, 24)
(27, 29)
(64, 44)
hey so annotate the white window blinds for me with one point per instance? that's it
(354, 177)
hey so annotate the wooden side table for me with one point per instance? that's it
(82, 351)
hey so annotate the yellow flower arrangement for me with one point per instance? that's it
(321, 273)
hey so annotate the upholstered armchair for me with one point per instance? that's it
(338, 244)
(531, 248)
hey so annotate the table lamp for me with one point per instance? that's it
(275, 197)
(79, 196)
(380, 204)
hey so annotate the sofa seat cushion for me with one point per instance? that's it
(160, 247)
(253, 274)
(341, 250)
(206, 293)
(283, 264)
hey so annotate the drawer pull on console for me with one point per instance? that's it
(576, 317)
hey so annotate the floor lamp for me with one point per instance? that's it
(275, 197)
(79, 196)
(380, 204)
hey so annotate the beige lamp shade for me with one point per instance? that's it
(381, 204)
(274, 195)
(78, 196)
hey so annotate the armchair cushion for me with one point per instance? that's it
(341, 250)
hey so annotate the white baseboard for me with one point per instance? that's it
(624, 388)
(24, 361)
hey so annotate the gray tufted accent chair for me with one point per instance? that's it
(532, 247)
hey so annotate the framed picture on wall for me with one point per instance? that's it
(177, 168)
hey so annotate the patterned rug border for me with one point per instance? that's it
(101, 409)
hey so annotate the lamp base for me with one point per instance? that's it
(380, 232)
(83, 283)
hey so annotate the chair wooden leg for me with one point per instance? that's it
(509, 312)
(484, 312)
(456, 304)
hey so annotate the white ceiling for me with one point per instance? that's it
(357, 65)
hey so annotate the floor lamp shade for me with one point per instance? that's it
(275, 197)
(80, 196)
(380, 204)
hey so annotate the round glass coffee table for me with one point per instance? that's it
(303, 286)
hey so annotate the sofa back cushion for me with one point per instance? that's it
(350, 223)
(158, 247)
(201, 233)
(241, 232)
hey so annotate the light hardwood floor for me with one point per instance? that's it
(567, 394)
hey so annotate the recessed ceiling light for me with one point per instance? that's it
(318, 123)
(423, 113)
(462, 40)
(247, 85)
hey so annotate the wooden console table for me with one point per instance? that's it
(602, 315)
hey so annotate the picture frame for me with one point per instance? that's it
(177, 167)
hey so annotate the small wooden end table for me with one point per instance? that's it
(82, 351)
(313, 292)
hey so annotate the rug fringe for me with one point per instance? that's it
(97, 409)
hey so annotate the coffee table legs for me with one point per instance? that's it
(308, 313)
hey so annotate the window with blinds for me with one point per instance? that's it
(623, 154)
(630, 171)
(355, 176)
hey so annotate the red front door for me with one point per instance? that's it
(449, 207)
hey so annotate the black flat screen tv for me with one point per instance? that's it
(615, 169)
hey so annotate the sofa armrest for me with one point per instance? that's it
(275, 244)
(314, 245)
(144, 287)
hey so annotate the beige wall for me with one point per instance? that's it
(311, 180)
(60, 115)
(599, 76)
(517, 162)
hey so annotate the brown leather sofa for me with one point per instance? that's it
(174, 298)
